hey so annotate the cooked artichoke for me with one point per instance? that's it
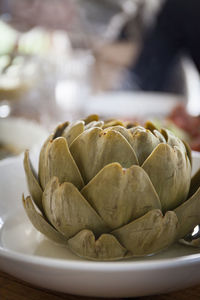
(109, 190)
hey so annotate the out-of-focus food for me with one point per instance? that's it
(17, 134)
(109, 190)
(14, 81)
(188, 124)
(8, 150)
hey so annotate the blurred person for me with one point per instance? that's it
(175, 33)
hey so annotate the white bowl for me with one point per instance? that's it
(195, 161)
(131, 104)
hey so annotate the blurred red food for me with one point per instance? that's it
(190, 124)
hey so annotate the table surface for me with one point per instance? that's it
(14, 289)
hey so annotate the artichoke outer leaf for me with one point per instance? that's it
(68, 211)
(188, 150)
(121, 195)
(106, 247)
(143, 142)
(188, 215)
(61, 164)
(169, 170)
(43, 157)
(149, 234)
(40, 223)
(195, 183)
(73, 130)
(33, 184)
(95, 148)
(43, 161)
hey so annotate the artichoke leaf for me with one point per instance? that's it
(60, 129)
(188, 150)
(121, 195)
(68, 211)
(94, 124)
(91, 118)
(40, 223)
(72, 131)
(149, 234)
(33, 184)
(143, 142)
(43, 161)
(106, 247)
(173, 140)
(195, 183)
(43, 153)
(188, 215)
(123, 132)
(150, 126)
(169, 170)
(112, 123)
(159, 135)
(95, 148)
(61, 164)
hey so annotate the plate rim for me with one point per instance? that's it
(101, 266)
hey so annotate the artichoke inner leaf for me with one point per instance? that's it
(173, 140)
(95, 148)
(150, 126)
(120, 195)
(112, 123)
(159, 135)
(59, 130)
(94, 124)
(143, 142)
(91, 118)
(126, 134)
(73, 130)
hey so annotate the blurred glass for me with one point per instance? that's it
(24, 86)
(67, 45)
(73, 86)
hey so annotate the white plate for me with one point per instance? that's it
(26, 254)
(132, 104)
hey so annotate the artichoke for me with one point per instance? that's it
(112, 190)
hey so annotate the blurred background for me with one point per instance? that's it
(65, 59)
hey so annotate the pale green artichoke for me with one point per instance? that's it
(109, 190)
